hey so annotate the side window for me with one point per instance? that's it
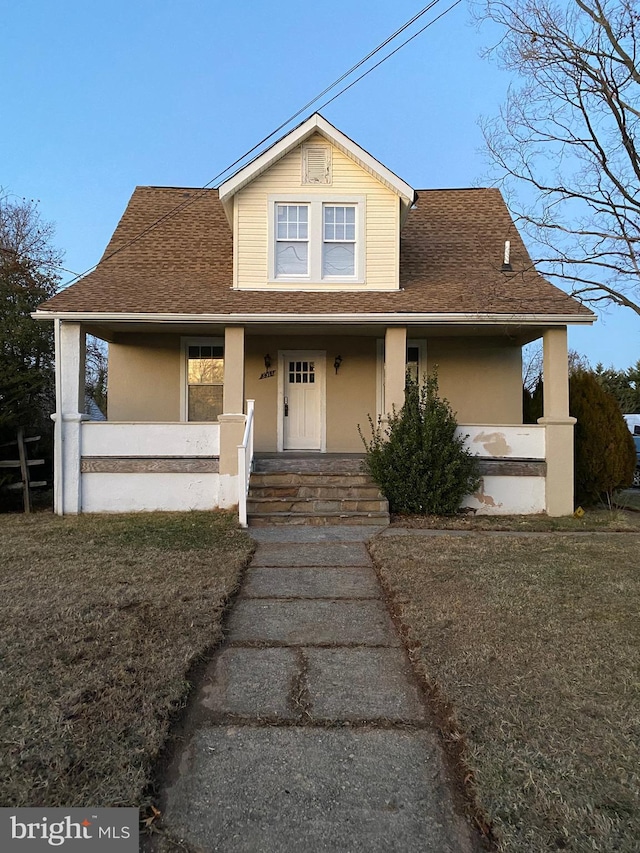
(204, 380)
(416, 367)
(413, 362)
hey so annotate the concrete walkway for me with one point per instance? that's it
(309, 732)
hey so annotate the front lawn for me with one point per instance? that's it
(532, 644)
(594, 519)
(102, 617)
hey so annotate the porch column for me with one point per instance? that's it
(558, 425)
(70, 344)
(232, 420)
(395, 367)
(233, 390)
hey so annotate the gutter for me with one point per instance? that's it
(389, 319)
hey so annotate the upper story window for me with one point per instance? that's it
(292, 240)
(339, 240)
(316, 241)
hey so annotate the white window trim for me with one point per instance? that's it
(421, 343)
(185, 343)
(316, 204)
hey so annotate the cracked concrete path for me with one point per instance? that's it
(309, 730)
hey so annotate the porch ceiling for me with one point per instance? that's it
(519, 334)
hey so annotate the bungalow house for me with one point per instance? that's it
(274, 314)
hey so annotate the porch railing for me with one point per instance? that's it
(245, 465)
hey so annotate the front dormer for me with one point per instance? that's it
(316, 212)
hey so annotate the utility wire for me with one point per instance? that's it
(389, 55)
(174, 211)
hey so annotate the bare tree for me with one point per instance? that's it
(97, 364)
(531, 366)
(565, 146)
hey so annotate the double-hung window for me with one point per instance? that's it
(292, 240)
(316, 240)
(204, 379)
(339, 241)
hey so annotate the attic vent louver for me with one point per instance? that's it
(316, 164)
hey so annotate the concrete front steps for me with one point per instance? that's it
(314, 489)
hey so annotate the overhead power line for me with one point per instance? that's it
(201, 190)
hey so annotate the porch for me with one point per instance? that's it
(147, 464)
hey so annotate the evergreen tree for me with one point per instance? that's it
(604, 451)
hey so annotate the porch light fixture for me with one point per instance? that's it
(337, 363)
(267, 361)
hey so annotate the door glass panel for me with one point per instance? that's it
(301, 372)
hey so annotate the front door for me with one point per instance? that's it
(302, 403)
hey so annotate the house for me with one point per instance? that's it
(307, 283)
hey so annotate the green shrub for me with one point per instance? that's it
(418, 462)
(604, 453)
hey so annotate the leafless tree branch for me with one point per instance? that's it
(565, 147)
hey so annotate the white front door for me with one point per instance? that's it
(302, 402)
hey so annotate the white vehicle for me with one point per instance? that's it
(633, 422)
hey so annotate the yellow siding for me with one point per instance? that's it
(382, 222)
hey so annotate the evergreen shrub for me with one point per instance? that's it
(418, 462)
(604, 451)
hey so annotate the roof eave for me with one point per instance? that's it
(389, 318)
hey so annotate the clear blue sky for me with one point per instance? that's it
(100, 96)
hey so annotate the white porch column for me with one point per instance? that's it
(395, 367)
(232, 421)
(558, 425)
(70, 358)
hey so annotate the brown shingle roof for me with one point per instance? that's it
(451, 254)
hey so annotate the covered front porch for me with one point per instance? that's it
(311, 392)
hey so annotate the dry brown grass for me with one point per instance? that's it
(102, 617)
(534, 643)
(604, 520)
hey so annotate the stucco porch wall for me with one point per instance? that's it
(480, 376)
(144, 467)
(350, 393)
(508, 496)
(148, 492)
(136, 438)
(502, 441)
(144, 378)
